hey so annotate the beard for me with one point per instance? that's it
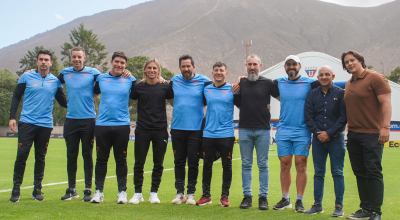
(253, 77)
(292, 75)
(187, 77)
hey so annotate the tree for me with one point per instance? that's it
(8, 82)
(394, 75)
(28, 62)
(136, 65)
(89, 42)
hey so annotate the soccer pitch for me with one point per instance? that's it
(56, 178)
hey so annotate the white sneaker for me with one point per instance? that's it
(137, 197)
(190, 200)
(122, 197)
(179, 198)
(97, 197)
(154, 198)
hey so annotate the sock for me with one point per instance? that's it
(300, 198)
(286, 196)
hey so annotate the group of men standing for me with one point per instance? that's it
(309, 108)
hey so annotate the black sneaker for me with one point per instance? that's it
(263, 203)
(375, 216)
(283, 204)
(298, 207)
(247, 202)
(87, 195)
(70, 194)
(360, 214)
(37, 195)
(15, 194)
(315, 209)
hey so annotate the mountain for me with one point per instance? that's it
(213, 30)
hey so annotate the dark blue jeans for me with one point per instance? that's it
(336, 150)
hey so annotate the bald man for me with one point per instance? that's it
(325, 116)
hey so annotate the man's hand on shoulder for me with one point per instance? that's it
(235, 88)
(126, 73)
(240, 78)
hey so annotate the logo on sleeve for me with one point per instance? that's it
(210, 91)
(107, 80)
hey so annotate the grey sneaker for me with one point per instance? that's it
(37, 195)
(298, 207)
(360, 214)
(15, 195)
(338, 212)
(315, 209)
(87, 195)
(70, 194)
(283, 204)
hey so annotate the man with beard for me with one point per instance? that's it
(293, 136)
(187, 115)
(369, 111)
(38, 88)
(254, 129)
(325, 116)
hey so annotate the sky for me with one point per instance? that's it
(22, 19)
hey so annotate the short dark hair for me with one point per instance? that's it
(186, 57)
(78, 49)
(220, 64)
(119, 54)
(46, 52)
(357, 55)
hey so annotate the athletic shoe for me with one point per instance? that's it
(298, 207)
(190, 200)
(70, 194)
(15, 195)
(247, 202)
(97, 197)
(179, 198)
(375, 216)
(204, 200)
(315, 209)
(338, 212)
(37, 195)
(283, 204)
(263, 203)
(87, 195)
(137, 197)
(154, 198)
(122, 197)
(224, 202)
(360, 214)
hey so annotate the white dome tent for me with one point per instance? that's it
(310, 63)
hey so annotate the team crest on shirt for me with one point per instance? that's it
(195, 82)
(85, 74)
(311, 71)
(122, 80)
(50, 82)
(224, 92)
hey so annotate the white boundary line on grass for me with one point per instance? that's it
(129, 174)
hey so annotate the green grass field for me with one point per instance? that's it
(54, 208)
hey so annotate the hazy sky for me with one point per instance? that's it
(22, 19)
